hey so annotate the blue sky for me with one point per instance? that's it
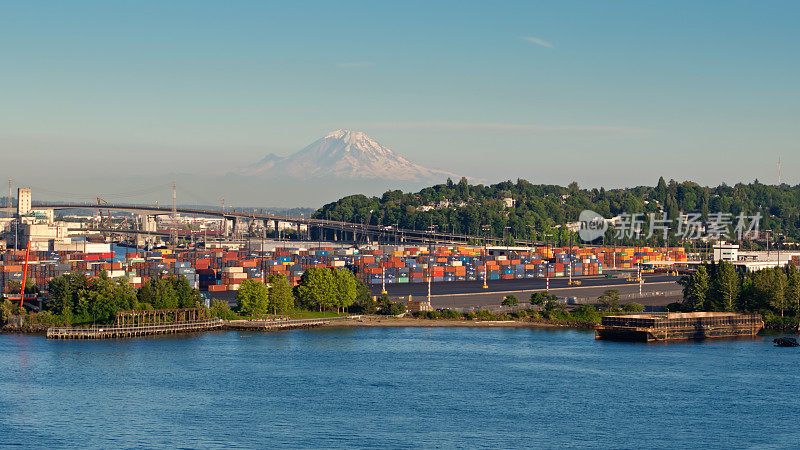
(606, 93)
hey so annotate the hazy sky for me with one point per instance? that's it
(94, 95)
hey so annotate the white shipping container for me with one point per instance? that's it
(233, 270)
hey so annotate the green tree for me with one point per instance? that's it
(725, 287)
(769, 289)
(188, 297)
(387, 307)
(317, 288)
(252, 298)
(510, 300)
(281, 299)
(222, 310)
(633, 307)
(586, 313)
(793, 289)
(609, 300)
(60, 295)
(102, 304)
(14, 287)
(159, 292)
(346, 288)
(147, 293)
(695, 289)
(124, 294)
(541, 297)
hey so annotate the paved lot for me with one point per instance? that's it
(470, 293)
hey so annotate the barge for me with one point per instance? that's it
(649, 327)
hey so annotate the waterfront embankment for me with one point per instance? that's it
(374, 321)
(383, 321)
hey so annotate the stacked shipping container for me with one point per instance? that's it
(220, 270)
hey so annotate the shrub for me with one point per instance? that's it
(586, 313)
(786, 323)
(222, 310)
(47, 318)
(519, 314)
(633, 307)
(484, 314)
(451, 314)
(610, 299)
(674, 307)
(365, 306)
(510, 300)
(390, 308)
(6, 310)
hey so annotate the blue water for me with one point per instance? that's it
(397, 387)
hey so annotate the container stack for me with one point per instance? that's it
(218, 270)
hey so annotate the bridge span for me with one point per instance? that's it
(344, 230)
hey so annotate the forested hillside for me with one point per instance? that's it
(538, 210)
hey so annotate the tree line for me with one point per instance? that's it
(720, 287)
(540, 211)
(320, 289)
(79, 299)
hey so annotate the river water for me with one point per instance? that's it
(397, 387)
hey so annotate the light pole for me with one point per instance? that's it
(485, 257)
(429, 287)
(769, 236)
(641, 280)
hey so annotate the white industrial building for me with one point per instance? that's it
(752, 260)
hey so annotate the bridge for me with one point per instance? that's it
(337, 230)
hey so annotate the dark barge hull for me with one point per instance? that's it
(678, 326)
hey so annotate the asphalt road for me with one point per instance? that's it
(471, 293)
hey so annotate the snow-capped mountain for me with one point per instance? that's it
(346, 155)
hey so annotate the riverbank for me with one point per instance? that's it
(374, 321)
(383, 321)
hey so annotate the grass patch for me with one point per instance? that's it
(314, 314)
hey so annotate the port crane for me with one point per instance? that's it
(25, 277)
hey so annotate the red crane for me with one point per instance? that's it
(25, 276)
